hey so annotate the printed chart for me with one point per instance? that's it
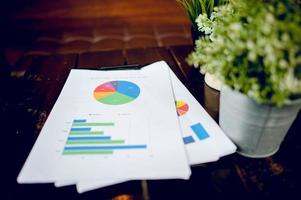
(199, 132)
(87, 138)
(105, 120)
(182, 107)
(116, 92)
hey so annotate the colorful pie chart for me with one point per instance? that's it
(116, 92)
(182, 107)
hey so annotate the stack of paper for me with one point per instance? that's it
(108, 127)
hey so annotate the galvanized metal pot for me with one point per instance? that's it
(256, 129)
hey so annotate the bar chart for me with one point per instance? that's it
(89, 138)
(199, 131)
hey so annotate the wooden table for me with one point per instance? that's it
(26, 101)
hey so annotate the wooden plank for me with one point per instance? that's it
(101, 59)
(33, 98)
(49, 93)
(18, 138)
(19, 119)
(192, 75)
(24, 64)
(79, 14)
(180, 54)
(20, 93)
(54, 67)
(145, 56)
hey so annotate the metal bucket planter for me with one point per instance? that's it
(256, 129)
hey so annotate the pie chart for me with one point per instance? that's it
(116, 92)
(182, 107)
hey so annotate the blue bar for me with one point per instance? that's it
(188, 140)
(200, 132)
(79, 120)
(105, 147)
(90, 138)
(80, 129)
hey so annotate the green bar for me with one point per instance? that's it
(94, 124)
(86, 132)
(87, 152)
(96, 142)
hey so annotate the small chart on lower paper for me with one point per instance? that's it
(199, 132)
(182, 107)
(92, 137)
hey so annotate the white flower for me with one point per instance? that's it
(207, 30)
(285, 37)
(252, 56)
(235, 27)
(292, 83)
(266, 29)
(250, 44)
(269, 18)
(283, 64)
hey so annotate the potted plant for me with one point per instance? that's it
(194, 8)
(254, 49)
(202, 14)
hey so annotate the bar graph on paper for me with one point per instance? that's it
(88, 137)
(198, 130)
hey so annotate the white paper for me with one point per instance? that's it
(201, 150)
(64, 183)
(196, 123)
(85, 186)
(147, 126)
